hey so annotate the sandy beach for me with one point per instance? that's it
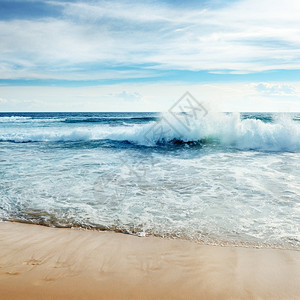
(38, 262)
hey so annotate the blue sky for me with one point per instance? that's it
(156, 49)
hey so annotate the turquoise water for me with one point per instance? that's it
(224, 179)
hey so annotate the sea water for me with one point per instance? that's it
(227, 178)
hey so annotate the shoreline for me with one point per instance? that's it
(213, 242)
(38, 262)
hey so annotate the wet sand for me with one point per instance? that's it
(38, 262)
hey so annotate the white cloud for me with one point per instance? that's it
(244, 36)
(128, 96)
(275, 89)
(3, 100)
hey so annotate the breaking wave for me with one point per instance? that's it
(282, 133)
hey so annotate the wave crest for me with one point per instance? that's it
(229, 130)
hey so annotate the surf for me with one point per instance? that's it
(280, 132)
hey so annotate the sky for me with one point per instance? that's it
(235, 55)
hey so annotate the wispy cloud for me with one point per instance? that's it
(238, 37)
(3, 100)
(275, 89)
(128, 96)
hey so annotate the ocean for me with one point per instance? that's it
(218, 178)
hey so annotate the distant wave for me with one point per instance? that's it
(108, 119)
(228, 130)
(20, 119)
(14, 119)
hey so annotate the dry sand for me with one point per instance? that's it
(47, 263)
